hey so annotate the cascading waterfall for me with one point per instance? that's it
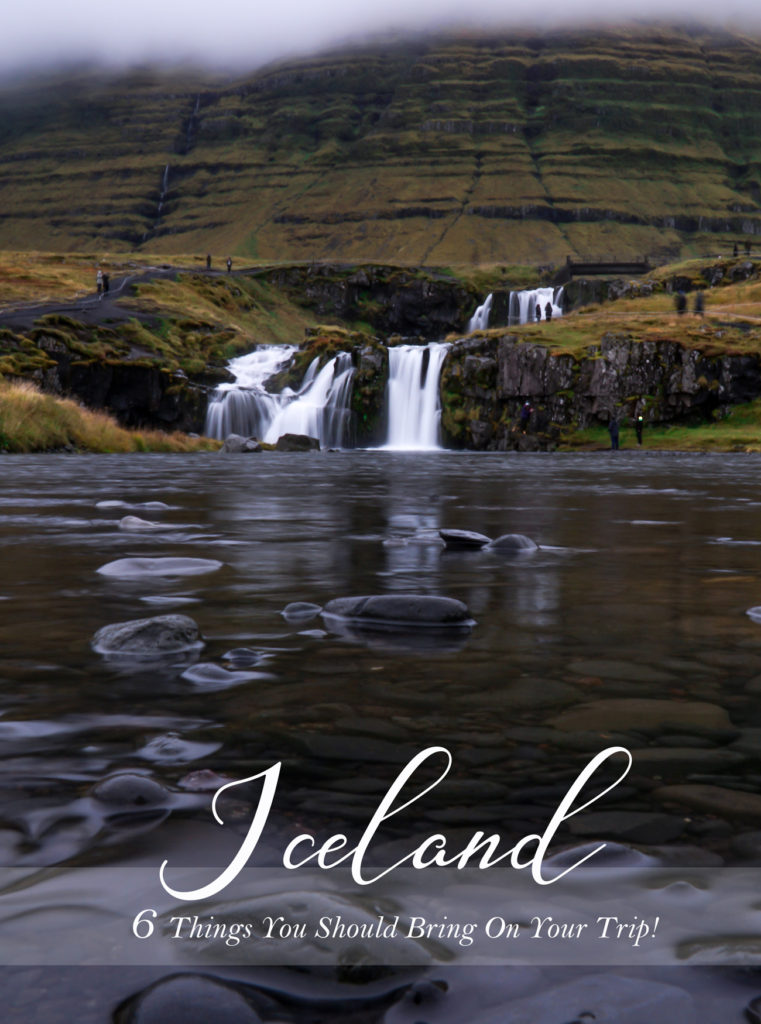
(480, 319)
(522, 307)
(320, 408)
(412, 397)
(245, 407)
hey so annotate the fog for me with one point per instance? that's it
(40, 34)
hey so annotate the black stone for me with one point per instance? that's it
(464, 539)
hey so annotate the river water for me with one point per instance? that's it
(627, 627)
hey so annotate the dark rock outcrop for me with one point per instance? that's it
(485, 381)
(139, 394)
(391, 300)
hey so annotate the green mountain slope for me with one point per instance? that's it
(467, 150)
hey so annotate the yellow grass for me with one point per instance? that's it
(31, 421)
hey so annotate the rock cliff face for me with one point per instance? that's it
(485, 381)
(138, 394)
(392, 301)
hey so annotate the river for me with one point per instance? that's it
(628, 627)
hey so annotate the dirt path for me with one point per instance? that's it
(94, 309)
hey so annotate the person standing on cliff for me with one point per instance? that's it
(99, 282)
(208, 261)
(229, 264)
(538, 312)
(106, 283)
(613, 431)
(526, 411)
(548, 311)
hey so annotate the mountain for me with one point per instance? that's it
(467, 149)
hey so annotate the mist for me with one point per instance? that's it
(238, 34)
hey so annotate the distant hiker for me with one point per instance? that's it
(548, 311)
(208, 261)
(229, 264)
(538, 312)
(698, 307)
(99, 281)
(638, 425)
(734, 249)
(106, 284)
(613, 431)
(681, 302)
(526, 411)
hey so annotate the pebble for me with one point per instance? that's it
(642, 713)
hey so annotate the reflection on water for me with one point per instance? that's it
(628, 626)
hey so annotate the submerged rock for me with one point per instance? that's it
(136, 523)
(464, 540)
(513, 543)
(404, 610)
(148, 638)
(187, 999)
(300, 611)
(131, 568)
(607, 997)
(128, 789)
(414, 622)
(208, 676)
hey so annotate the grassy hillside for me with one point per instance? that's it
(519, 149)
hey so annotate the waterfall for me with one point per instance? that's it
(244, 407)
(164, 190)
(480, 319)
(414, 410)
(320, 407)
(522, 308)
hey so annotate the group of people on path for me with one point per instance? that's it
(614, 430)
(229, 262)
(698, 306)
(102, 283)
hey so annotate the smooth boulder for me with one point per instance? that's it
(235, 444)
(464, 540)
(149, 638)
(128, 789)
(300, 611)
(188, 999)
(514, 544)
(401, 610)
(297, 443)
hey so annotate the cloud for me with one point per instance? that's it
(247, 33)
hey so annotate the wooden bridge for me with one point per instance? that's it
(598, 268)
